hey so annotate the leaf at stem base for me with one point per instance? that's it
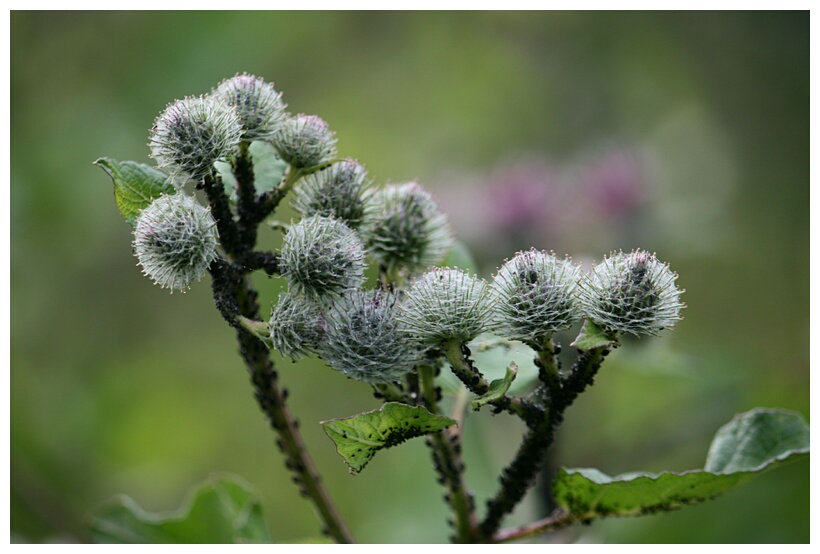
(223, 509)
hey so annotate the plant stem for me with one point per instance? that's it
(520, 474)
(266, 261)
(236, 300)
(548, 366)
(552, 523)
(268, 201)
(446, 452)
(459, 409)
(246, 204)
(229, 236)
(463, 368)
(259, 329)
(582, 373)
(229, 281)
(389, 392)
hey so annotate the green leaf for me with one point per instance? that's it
(750, 444)
(754, 439)
(268, 169)
(359, 437)
(592, 336)
(222, 509)
(498, 388)
(136, 185)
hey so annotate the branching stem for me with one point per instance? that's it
(520, 474)
(236, 300)
(269, 200)
(462, 366)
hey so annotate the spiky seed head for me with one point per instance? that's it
(322, 257)
(631, 293)
(406, 231)
(341, 191)
(260, 108)
(175, 241)
(295, 325)
(364, 340)
(305, 141)
(193, 133)
(535, 296)
(446, 304)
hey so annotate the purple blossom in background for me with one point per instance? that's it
(614, 183)
(522, 197)
(546, 205)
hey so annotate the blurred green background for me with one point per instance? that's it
(681, 133)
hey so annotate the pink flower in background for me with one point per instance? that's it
(522, 196)
(545, 205)
(614, 184)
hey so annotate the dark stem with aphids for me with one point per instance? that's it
(235, 297)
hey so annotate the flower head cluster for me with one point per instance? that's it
(407, 232)
(295, 325)
(193, 133)
(340, 191)
(632, 293)
(536, 296)
(364, 340)
(322, 257)
(305, 141)
(258, 105)
(446, 304)
(175, 241)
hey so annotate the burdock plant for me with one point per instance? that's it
(632, 293)
(322, 258)
(175, 241)
(341, 191)
(193, 133)
(398, 333)
(536, 295)
(364, 339)
(406, 232)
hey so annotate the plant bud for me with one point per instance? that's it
(175, 241)
(536, 296)
(340, 191)
(295, 326)
(260, 108)
(632, 293)
(446, 304)
(364, 340)
(305, 141)
(193, 133)
(406, 232)
(322, 257)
